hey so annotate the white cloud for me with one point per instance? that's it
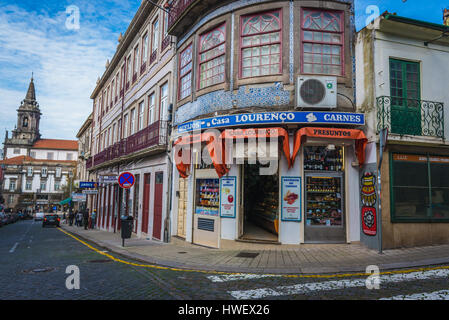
(66, 65)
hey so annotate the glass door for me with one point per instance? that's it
(324, 213)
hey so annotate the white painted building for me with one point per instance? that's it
(402, 70)
(35, 169)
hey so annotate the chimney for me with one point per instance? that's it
(446, 17)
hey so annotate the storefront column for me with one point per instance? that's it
(229, 226)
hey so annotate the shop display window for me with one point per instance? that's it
(324, 201)
(207, 196)
(320, 158)
(419, 188)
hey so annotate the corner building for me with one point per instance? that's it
(273, 70)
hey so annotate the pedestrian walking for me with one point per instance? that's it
(86, 218)
(94, 218)
(79, 218)
(71, 217)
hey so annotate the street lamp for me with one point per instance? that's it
(70, 192)
(166, 8)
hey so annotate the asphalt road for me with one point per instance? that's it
(34, 261)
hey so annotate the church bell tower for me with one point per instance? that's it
(28, 118)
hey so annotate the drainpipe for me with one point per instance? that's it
(167, 223)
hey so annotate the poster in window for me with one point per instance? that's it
(291, 199)
(228, 197)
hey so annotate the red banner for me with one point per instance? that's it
(332, 133)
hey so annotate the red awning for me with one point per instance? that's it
(216, 145)
(332, 133)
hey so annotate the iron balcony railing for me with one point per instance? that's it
(151, 136)
(177, 9)
(410, 116)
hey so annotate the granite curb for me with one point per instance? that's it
(257, 270)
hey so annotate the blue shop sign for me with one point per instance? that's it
(86, 184)
(287, 117)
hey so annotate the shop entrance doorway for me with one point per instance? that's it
(260, 205)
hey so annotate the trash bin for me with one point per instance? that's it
(127, 226)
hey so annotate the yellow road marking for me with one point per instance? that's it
(322, 276)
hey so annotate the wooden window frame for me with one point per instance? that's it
(153, 48)
(160, 99)
(341, 44)
(241, 37)
(204, 34)
(151, 95)
(190, 71)
(140, 120)
(394, 218)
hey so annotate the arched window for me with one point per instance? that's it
(25, 122)
(212, 57)
(261, 44)
(322, 42)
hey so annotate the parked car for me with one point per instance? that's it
(39, 216)
(51, 220)
(8, 218)
(2, 219)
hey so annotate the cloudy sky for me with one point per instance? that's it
(66, 62)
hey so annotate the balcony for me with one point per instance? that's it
(179, 21)
(153, 57)
(165, 43)
(410, 117)
(152, 136)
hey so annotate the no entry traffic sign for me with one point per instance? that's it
(126, 180)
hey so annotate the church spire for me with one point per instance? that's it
(31, 94)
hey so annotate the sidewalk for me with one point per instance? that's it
(285, 259)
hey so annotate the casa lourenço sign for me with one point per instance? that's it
(288, 117)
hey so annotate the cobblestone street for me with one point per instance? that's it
(35, 260)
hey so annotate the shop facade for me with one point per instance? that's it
(273, 187)
(251, 72)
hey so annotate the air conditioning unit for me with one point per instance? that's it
(316, 92)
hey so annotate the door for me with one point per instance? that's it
(103, 214)
(146, 202)
(405, 97)
(324, 208)
(182, 207)
(114, 206)
(158, 193)
(241, 200)
(136, 203)
(109, 207)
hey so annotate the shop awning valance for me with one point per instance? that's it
(216, 145)
(66, 201)
(332, 133)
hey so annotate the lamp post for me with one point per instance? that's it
(70, 192)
